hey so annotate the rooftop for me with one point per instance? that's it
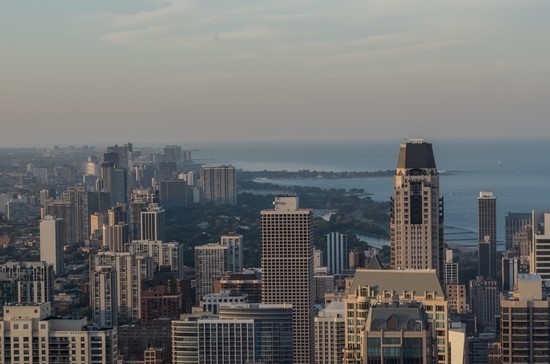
(416, 155)
(398, 280)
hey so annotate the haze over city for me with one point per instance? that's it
(177, 70)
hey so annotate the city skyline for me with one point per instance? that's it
(89, 72)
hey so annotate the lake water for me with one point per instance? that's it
(516, 171)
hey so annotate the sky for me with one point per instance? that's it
(106, 71)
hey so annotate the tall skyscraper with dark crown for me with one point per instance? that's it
(487, 234)
(417, 210)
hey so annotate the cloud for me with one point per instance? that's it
(170, 8)
(132, 35)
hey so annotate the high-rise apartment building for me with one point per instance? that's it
(456, 298)
(337, 252)
(104, 301)
(330, 334)
(287, 268)
(52, 243)
(63, 210)
(78, 198)
(525, 314)
(510, 273)
(450, 272)
(484, 304)
(515, 222)
(130, 270)
(540, 249)
(160, 302)
(242, 333)
(210, 264)
(487, 234)
(33, 281)
(416, 226)
(173, 192)
(31, 334)
(235, 253)
(219, 183)
(152, 224)
(119, 235)
(164, 254)
(273, 324)
(115, 182)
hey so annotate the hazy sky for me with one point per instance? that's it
(95, 71)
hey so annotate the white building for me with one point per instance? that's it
(235, 253)
(210, 264)
(30, 334)
(163, 254)
(104, 301)
(131, 269)
(242, 333)
(330, 334)
(153, 223)
(33, 281)
(212, 302)
(52, 243)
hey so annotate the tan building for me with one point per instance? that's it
(524, 322)
(370, 286)
(456, 297)
(30, 334)
(416, 225)
(287, 268)
(330, 335)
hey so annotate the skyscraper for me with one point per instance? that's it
(487, 234)
(515, 222)
(104, 301)
(417, 210)
(235, 253)
(153, 223)
(210, 264)
(540, 248)
(130, 270)
(33, 281)
(242, 333)
(337, 252)
(484, 303)
(524, 322)
(165, 255)
(219, 184)
(52, 243)
(287, 268)
(330, 334)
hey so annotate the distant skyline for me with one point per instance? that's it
(161, 71)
